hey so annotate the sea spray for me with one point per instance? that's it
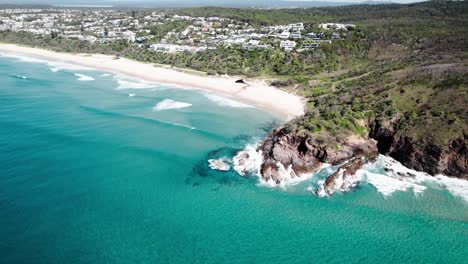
(248, 161)
(386, 175)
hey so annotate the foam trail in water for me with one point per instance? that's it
(170, 104)
(131, 95)
(82, 77)
(222, 101)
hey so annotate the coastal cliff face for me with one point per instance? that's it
(422, 155)
(290, 154)
(296, 154)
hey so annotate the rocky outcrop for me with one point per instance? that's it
(343, 179)
(297, 154)
(422, 155)
(219, 164)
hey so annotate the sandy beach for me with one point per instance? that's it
(256, 92)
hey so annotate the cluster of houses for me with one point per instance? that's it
(142, 28)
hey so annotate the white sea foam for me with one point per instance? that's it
(131, 95)
(125, 82)
(180, 125)
(386, 175)
(222, 101)
(21, 77)
(105, 75)
(170, 104)
(397, 177)
(387, 185)
(56, 66)
(248, 161)
(219, 164)
(23, 58)
(457, 187)
(341, 184)
(82, 77)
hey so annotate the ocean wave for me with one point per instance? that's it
(23, 58)
(55, 65)
(58, 66)
(125, 82)
(388, 176)
(222, 101)
(170, 104)
(82, 77)
(20, 77)
(248, 161)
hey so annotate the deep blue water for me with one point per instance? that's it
(89, 174)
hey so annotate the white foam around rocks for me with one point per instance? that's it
(219, 164)
(248, 161)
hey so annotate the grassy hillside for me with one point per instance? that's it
(404, 67)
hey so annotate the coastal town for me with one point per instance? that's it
(168, 32)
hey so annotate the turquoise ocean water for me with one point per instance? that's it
(99, 168)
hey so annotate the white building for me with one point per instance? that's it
(284, 35)
(336, 26)
(288, 45)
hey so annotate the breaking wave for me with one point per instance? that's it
(387, 176)
(133, 83)
(82, 77)
(222, 101)
(170, 104)
(20, 77)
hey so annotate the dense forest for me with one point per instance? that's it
(403, 67)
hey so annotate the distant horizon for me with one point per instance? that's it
(201, 3)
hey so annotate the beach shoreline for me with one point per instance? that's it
(257, 93)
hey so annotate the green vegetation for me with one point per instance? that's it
(406, 62)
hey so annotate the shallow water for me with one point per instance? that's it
(92, 170)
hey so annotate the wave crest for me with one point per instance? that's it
(170, 104)
(82, 77)
(222, 101)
